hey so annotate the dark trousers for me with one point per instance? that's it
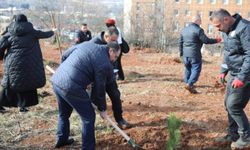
(83, 107)
(236, 100)
(118, 65)
(192, 69)
(114, 95)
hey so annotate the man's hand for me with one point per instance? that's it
(218, 39)
(54, 29)
(222, 77)
(237, 83)
(103, 114)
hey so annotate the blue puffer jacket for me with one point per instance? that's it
(191, 41)
(23, 63)
(88, 63)
(237, 49)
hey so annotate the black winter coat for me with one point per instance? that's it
(83, 36)
(23, 63)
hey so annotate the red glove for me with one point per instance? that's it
(218, 39)
(237, 83)
(222, 77)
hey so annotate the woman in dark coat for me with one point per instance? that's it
(23, 64)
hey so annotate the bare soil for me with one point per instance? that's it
(152, 90)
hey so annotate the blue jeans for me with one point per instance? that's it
(82, 105)
(236, 100)
(192, 69)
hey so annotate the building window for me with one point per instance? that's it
(176, 12)
(213, 1)
(187, 12)
(210, 29)
(210, 13)
(189, 1)
(200, 1)
(225, 2)
(238, 2)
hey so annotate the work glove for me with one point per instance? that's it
(222, 77)
(237, 83)
(218, 39)
(103, 114)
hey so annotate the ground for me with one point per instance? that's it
(152, 90)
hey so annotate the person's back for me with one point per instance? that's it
(24, 52)
(82, 66)
(191, 41)
(192, 38)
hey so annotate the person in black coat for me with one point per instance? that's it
(124, 48)
(83, 35)
(111, 34)
(23, 63)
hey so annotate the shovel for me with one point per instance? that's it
(130, 141)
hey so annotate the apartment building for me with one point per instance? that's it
(170, 16)
(183, 10)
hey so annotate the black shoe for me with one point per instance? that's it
(23, 109)
(123, 124)
(61, 144)
(2, 109)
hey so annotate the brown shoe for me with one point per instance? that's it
(191, 89)
(123, 124)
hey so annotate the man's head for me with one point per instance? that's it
(222, 20)
(114, 50)
(111, 34)
(110, 22)
(197, 19)
(84, 27)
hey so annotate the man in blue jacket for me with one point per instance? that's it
(88, 63)
(111, 34)
(191, 40)
(236, 35)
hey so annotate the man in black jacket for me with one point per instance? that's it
(83, 35)
(124, 48)
(191, 40)
(111, 34)
(236, 35)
